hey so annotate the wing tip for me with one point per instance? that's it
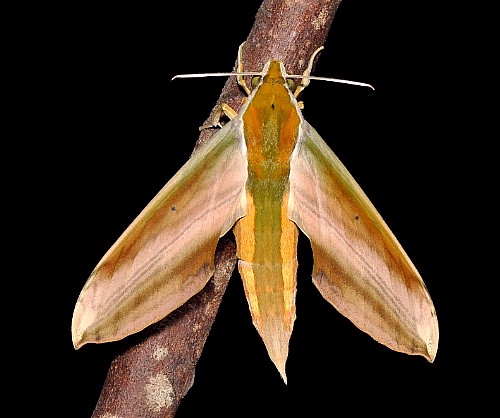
(77, 339)
(432, 346)
(77, 344)
(78, 330)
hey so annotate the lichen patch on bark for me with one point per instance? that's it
(159, 392)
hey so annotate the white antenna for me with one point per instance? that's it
(214, 75)
(334, 80)
(310, 77)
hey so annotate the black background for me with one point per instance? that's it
(116, 129)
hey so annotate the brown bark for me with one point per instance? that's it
(152, 376)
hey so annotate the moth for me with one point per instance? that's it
(265, 174)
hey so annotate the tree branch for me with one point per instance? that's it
(153, 375)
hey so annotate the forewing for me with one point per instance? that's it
(359, 266)
(167, 254)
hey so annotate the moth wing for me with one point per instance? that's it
(167, 254)
(359, 266)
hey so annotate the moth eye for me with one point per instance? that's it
(256, 81)
(291, 84)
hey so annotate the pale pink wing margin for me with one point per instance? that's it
(359, 266)
(167, 254)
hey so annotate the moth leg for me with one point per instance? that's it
(223, 110)
(305, 80)
(239, 77)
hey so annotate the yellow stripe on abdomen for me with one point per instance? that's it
(266, 247)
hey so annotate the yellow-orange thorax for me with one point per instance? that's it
(266, 238)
